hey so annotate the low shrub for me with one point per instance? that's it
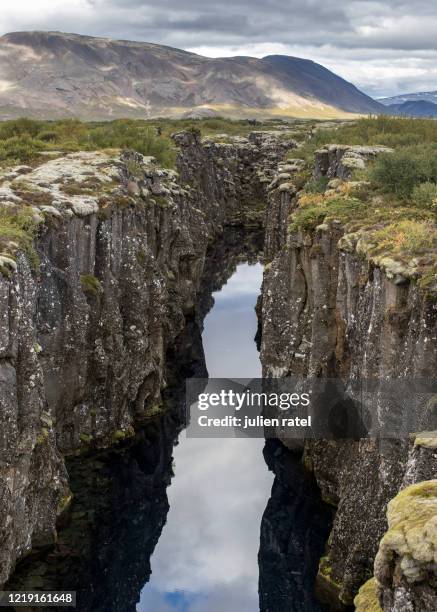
(315, 212)
(404, 169)
(317, 185)
(425, 195)
(406, 237)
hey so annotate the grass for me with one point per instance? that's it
(17, 230)
(406, 238)
(316, 185)
(23, 140)
(388, 131)
(394, 205)
(316, 210)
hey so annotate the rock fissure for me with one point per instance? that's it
(94, 309)
(85, 334)
(358, 320)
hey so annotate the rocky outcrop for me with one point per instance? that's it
(328, 312)
(119, 503)
(97, 283)
(405, 565)
(339, 161)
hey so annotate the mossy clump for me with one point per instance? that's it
(406, 237)
(18, 227)
(316, 185)
(426, 439)
(90, 186)
(118, 435)
(328, 588)
(64, 503)
(153, 411)
(122, 434)
(408, 545)
(85, 438)
(43, 436)
(91, 285)
(367, 597)
(135, 169)
(161, 201)
(317, 210)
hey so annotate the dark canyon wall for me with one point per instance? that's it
(85, 330)
(330, 312)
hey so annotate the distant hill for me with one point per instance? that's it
(427, 96)
(419, 108)
(52, 75)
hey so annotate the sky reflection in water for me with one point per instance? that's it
(206, 558)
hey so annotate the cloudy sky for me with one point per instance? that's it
(383, 47)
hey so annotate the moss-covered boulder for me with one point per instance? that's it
(367, 598)
(406, 563)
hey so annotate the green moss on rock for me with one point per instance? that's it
(90, 285)
(367, 598)
(409, 543)
(85, 438)
(427, 439)
(328, 588)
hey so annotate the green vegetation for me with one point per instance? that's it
(316, 185)
(388, 131)
(367, 598)
(395, 132)
(391, 210)
(90, 284)
(406, 237)
(314, 211)
(17, 229)
(24, 140)
(85, 438)
(404, 169)
(425, 195)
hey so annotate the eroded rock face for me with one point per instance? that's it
(84, 336)
(327, 312)
(339, 161)
(405, 566)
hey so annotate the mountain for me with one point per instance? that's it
(426, 96)
(52, 74)
(414, 108)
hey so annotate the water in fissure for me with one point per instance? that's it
(207, 556)
(196, 526)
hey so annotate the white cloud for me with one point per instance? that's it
(209, 546)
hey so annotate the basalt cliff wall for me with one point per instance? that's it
(92, 305)
(328, 312)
